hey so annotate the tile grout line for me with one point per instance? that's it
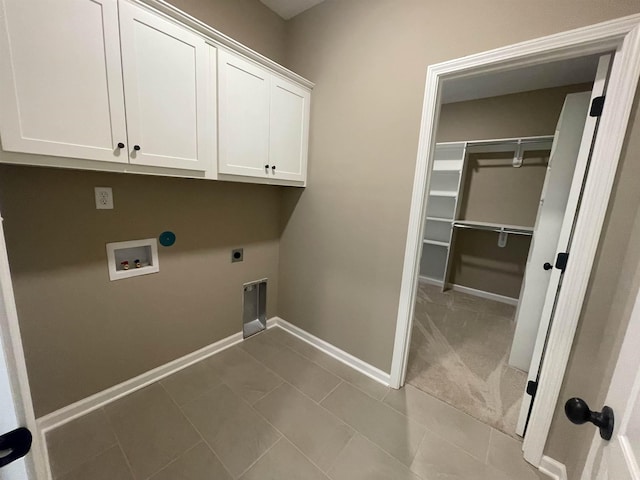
(84, 462)
(486, 457)
(204, 440)
(330, 392)
(340, 377)
(283, 436)
(126, 460)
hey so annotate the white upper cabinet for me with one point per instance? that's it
(289, 130)
(144, 91)
(61, 79)
(263, 122)
(243, 119)
(165, 70)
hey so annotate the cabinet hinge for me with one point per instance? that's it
(596, 106)
(561, 261)
(532, 388)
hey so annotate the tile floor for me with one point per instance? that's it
(459, 353)
(274, 407)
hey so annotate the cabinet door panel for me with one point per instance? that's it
(61, 79)
(165, 80)
(243, 121)
(288, 130)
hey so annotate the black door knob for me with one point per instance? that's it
(273, 168)
(266, 166)
(136, 147)
(120, 145)
(578, 412)
(547, 266)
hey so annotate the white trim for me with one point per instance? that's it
(553, 468)
(482, 294)
(333, 351)
(623, 35)
(471, 291)
(100, 399)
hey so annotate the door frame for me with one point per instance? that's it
(36, 460)
(620, 35)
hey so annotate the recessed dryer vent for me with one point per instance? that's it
(254, 308)
(132, 258)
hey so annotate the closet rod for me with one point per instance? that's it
(494, 228)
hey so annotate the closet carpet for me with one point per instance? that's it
(459, 352)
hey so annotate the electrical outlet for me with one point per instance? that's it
(104, 198)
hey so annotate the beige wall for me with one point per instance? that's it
(343, 242)
(249, 22)
(83, 333)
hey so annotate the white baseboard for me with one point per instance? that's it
(344, 357)
(553, 468)
(100, 399)
(86, 405)
(482, 294)
(431, 281)
(471, 291)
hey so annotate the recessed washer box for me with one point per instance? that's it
(121, 255)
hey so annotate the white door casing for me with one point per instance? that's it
(41, 110)
(166, 69)
(15, 396)
(621, 35)
(619, 459)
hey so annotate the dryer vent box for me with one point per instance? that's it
(254, 308)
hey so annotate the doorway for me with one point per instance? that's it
(620, 36)
(506, 176)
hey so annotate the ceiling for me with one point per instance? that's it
(290, 8)
(556, 74)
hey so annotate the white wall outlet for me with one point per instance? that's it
(104, 198)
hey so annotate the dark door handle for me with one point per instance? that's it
(578, 412)
(120, 145)
(273, 168)
(17, 443)
(136, 147)
(547, 266)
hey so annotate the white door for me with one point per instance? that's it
(288, 130)
(15, 400)
(165, 71)
(243, 122)
(619, 458)
(563, 243)
(544, 245)
(61, 79)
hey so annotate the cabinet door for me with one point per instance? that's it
(243, 123)
(165, 71)
(61, 79)
(288, 130)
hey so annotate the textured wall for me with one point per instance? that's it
(83, 333)
(344, 237)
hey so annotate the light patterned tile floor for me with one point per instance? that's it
(275, 408)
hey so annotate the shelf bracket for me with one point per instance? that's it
(518, 155)
(502, 238)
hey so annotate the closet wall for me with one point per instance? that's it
(495, 191)
(81, 332)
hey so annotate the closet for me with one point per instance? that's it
(482, 193)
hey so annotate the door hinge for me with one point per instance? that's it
(532, 388)
(561, 261)
(596, 106)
